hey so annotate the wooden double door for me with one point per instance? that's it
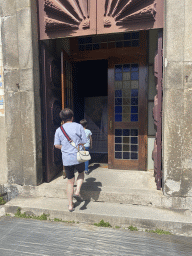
(127, 106)
(127, 110)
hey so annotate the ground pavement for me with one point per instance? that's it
(20, 237)
(122, 198)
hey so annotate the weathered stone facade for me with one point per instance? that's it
(20, 127)
(22, 92)
(177, 104)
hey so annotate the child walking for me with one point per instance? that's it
(88, 145)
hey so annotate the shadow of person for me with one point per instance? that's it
(93, 167)
(90, 191)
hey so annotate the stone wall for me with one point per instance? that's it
(177, 105)
(22, 91)
(3, 148)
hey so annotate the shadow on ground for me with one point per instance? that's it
(90, 191)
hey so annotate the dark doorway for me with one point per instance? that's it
(90, 92)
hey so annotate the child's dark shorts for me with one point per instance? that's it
(70, 170)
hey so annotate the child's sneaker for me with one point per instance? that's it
(86, 172)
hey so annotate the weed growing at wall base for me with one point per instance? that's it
(26, 216)
(2, 201)
(158, 231)
(102, 223)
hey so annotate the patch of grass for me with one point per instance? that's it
(158, 231)
(117, 227)
(133, 228)
(7, 214)
(57, 220)
(26, 216)
(102, 223)
(65, 221)
(42, 217)
(2, 201)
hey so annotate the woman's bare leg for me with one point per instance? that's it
(70, 191)
(80, 180)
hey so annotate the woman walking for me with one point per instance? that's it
(69, 153)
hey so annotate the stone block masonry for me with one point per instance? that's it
(20, 102)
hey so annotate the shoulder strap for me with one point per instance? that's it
(66, 135)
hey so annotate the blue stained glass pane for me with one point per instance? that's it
(126, 67)
(118, 132)
(118, 76)
(88, 40)
(135, 35)
(88, 47)
(118, 155)
(127, 36)
(134, 117)
(118, 110)
(118, 140)
(118, 118)
(134, 93)
(126, 132)
(126, 155)
(118, 68)
(81, 40)
(81, 47)
(119, 44)
(118, 147)
(96, 46)
(135, 43)
(134, 156)
(134, 67)
(134, 140)
(134, 101)
(118, 101)
(127, 43)
(134, 75)
(134, 148)
(134, 132)
(134, 109)
(118, 93)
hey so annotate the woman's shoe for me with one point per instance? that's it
(71, 210)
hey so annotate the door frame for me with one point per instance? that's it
(116, 55)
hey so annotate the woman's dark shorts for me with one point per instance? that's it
(69, 170)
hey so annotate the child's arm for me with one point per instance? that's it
(90, 141)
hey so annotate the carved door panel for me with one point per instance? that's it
(64, 18)
(51, 107)
(127, 116)
(66, 81)
(122, 16)
(67, 18)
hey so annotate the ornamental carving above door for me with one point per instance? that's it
(64, 18)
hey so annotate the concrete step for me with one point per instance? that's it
(123, 215)
(104, 185)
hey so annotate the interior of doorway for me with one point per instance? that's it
(90, 102)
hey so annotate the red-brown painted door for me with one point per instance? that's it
(127, 116)
(51, 106)
(66, 81)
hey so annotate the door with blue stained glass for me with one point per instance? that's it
(127, 136)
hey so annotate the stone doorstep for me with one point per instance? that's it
(109, 194)
(116, 214)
